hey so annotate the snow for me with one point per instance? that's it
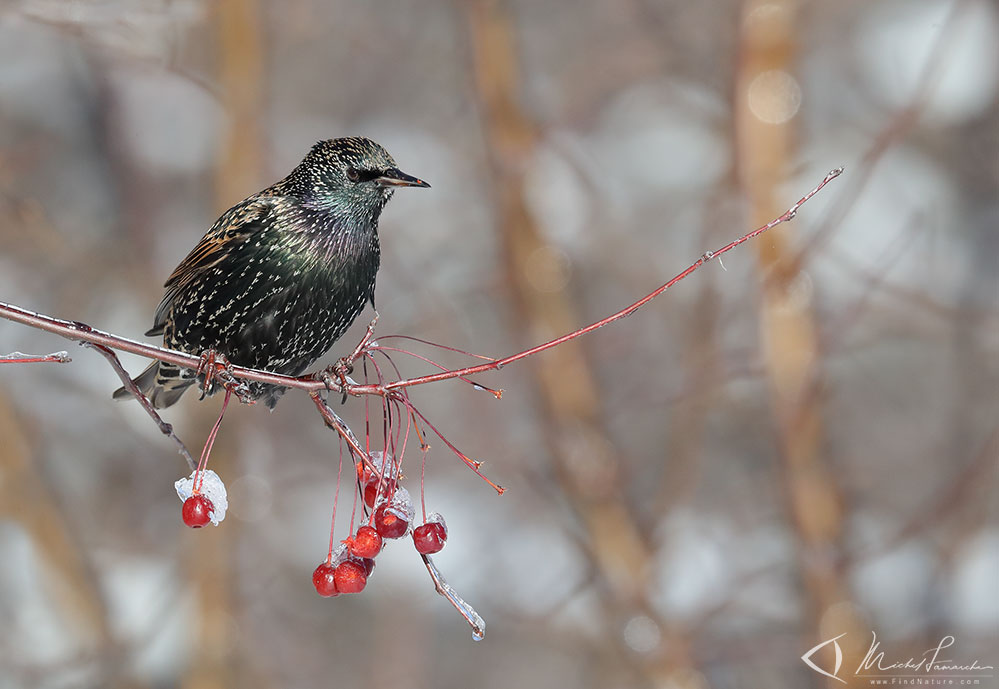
(211, 487)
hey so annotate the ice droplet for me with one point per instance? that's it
(438, 518)
(339, 555)
(212, 488)
(381, 461)
(402, 504)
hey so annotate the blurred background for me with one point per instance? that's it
(795, 445)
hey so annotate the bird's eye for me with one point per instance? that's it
(352, 174)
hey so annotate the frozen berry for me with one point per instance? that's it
(367, 542)
(364, 474)
(324, 579)
(196, 511)
(350, 577)
(390, 522)
(371, 493)
(430, 537)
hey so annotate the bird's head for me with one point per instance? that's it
(352, 175)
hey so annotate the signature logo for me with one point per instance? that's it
(839, 658)
(876, 666)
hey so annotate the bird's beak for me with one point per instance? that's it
(394, 177)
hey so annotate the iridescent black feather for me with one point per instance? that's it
(281, 275)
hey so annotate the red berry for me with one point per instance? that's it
(371, 493)
(350, 577)
(430, 537)
(364, 474)
(324, 579)
(367, 542)
(390, 522)
(196, 511)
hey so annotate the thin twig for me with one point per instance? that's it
(165, 428)
(498, 394)
(627, 311)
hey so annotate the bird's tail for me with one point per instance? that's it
(162, 383)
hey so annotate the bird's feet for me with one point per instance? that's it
(336, 377)
(214, 368)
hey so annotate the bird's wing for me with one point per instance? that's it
(232, 230)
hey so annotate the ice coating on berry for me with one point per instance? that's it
(389, 523)
(402, 503)
(340, 554)
(437, 518)
(393, 519)
(429, 538)
(382, 464)
(211, 487)
(376, 482)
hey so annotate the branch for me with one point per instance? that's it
(334, 421)
(316, 383)
(81, 332)
(627, 311)
(165, 428)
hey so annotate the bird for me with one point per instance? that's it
(281, 275)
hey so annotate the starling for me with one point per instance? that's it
(281, 275)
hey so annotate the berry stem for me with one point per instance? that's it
(334, 421)
(353, 506)
(435, 344)
(442, 367)
(423, 476)
(336, 499)
(471, 464)
(203, 462)
(367, 410)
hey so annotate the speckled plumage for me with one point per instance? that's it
(281, 275)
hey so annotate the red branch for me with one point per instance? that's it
(316, 383)
(627, 311)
